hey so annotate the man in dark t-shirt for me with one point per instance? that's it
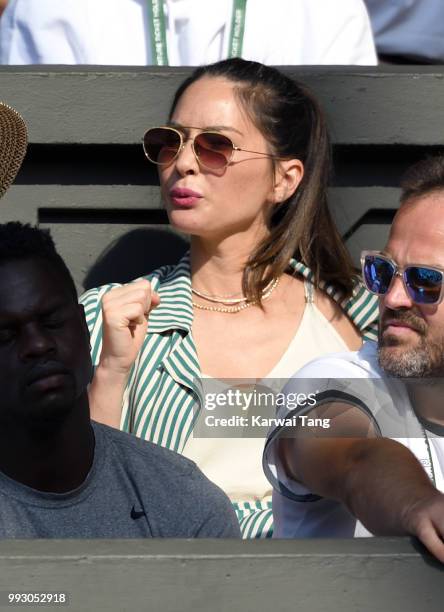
(60, 474)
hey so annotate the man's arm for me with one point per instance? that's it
(379, 480)
(3, 5)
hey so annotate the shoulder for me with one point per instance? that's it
(150, 457)
(361, 307)
(173, 486)
(363, 310)
(359, 362)
(164, 278)
(352, 377)
(351, 364)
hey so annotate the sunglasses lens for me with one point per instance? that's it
(424, 284)
(213, 150)
(377, 274)
(161, 145)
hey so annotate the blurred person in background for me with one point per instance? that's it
(408, 31)
(185, 32)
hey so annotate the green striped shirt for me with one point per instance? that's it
(163, 386)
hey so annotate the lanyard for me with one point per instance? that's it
(159, 49)
(156, 19)
(237, 28)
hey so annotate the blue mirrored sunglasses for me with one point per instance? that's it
(423, 284)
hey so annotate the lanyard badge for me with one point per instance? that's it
(159, 49)
(158, 33)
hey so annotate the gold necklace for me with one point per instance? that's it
(234, 309)
(227, 299)
(221, 299)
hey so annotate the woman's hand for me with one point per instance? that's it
(125, 321)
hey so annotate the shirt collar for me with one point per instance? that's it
(175, 311)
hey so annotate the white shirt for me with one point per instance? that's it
(298, 513)
(117, 32)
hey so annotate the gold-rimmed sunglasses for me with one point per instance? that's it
(212, 150)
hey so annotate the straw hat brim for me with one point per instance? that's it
(13, 143)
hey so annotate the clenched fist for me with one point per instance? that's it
(125, 320)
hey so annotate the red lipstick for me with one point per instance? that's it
(182, 196)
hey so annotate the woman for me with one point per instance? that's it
(267, 286)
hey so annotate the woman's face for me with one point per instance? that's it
(228, 201)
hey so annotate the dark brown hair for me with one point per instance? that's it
(423, 178)
(290, 119)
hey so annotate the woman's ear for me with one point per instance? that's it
(288, 174)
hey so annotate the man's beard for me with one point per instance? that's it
(425, 358)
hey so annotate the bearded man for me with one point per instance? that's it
(379, 466)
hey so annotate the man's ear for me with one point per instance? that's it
(288, 174)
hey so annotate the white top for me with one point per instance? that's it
(234, 463)
(297, 513)
(117, 32)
